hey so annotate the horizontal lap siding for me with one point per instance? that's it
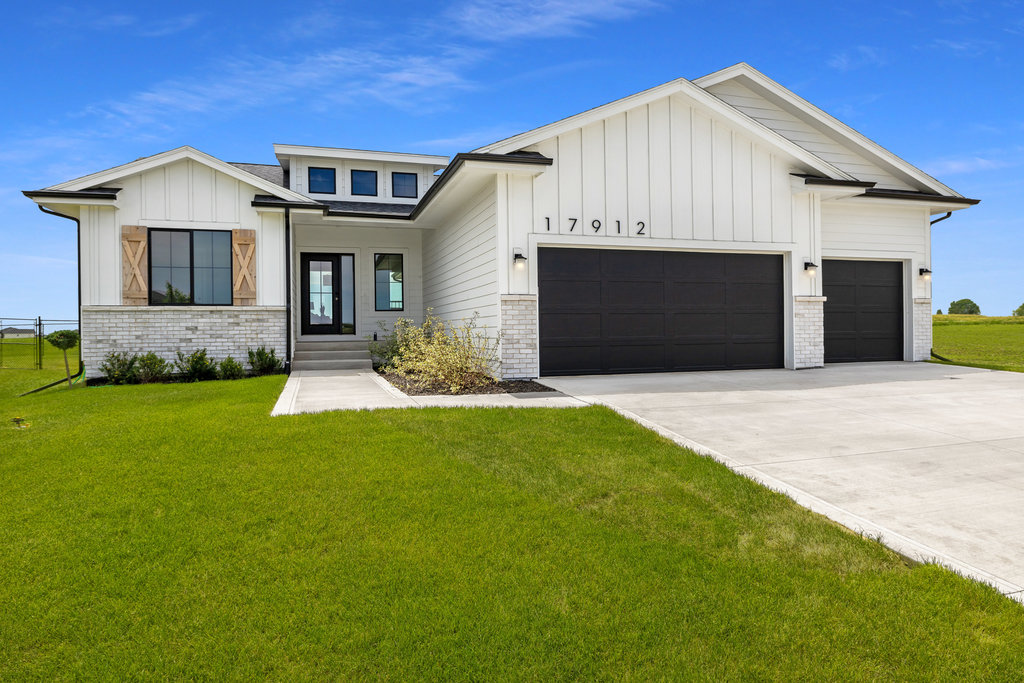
(859, 229)
(460, 275)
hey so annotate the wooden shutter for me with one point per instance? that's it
(243, 267)
(134, 266)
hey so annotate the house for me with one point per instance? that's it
(710, 224)
(17, 333)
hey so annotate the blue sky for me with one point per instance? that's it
(91, 86)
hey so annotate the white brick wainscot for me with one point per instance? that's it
(808, 332)
(222, 330)
(520, 357)
(922, 329)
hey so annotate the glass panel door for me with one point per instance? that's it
(328, 294)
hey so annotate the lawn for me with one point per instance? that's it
(980, 341)
(177, 531)
(20, 354)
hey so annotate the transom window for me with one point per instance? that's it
(322, 180)
(189, 267)
(364, 183)
(389, 294)
(403, 184)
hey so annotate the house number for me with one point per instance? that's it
(596, 225)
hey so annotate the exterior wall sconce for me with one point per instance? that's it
(519, 258)
(811, 268)
(925, 273)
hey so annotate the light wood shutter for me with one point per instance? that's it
(243, 267)
(134, 266)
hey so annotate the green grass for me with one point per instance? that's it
(20, 354)
(980, 341)
(176, 531)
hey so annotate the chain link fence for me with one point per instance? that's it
(23, 344)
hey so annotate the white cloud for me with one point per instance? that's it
(963, 166)
(496, 20)
(85, 17)
(862, 55)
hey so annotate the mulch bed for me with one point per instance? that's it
(514, 386)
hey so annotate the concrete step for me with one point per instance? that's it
(352, 354)
(332, 365)
(354, 345)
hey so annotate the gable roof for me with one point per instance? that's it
(170, 156)
(748, 76)
(685, 87)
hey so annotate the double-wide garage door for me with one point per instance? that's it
(609, 311)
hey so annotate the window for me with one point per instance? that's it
(189, 267)
(321, 181)
(364, 183)
(387, 273)
(403, 185)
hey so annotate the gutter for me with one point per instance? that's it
(288, 290)
(939, 220)
(78, 238)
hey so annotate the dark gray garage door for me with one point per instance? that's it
(607, 311)
(863, 311)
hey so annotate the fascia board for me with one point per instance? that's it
(681, 85)
(858, 140)
(169, 157)
(74, 201)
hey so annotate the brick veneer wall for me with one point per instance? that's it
(165, 330)
(922, 329)
(808, 332)
(520, 357)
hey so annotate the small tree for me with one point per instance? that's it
(964, 307)
(938, 312)
(1019, 311)
(64, 340)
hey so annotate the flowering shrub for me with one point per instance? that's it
(439, 355)
(150, 367)
(119, 368)
(230, 368)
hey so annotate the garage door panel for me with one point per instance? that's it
(659, 311)
(563, 264)
(863, 310)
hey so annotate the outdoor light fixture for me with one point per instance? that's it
(925, 273)
(811, 268)
(519, 258)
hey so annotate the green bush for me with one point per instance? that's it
(196, 366)
(264, 362)
(439, 356)
(64, 340)
(384, 349)
(1019, 311)
(119, 368)
(964, 307)
(230, 369)
(150, 368)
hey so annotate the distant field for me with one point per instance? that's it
(981, 341)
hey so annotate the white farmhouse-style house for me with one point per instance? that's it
(711, 224)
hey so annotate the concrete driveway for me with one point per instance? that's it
(928, 458)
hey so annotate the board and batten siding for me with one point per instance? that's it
(188, 195)
(460, 268)
(804, 134)
(664, 170)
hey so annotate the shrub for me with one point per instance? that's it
(1019, 311)
(230, 369)
(151, 368)
(64, 340)
(119, 368)
(264, 362)
(384, 349)
(435, 354)
(964, 307)
(196, 366)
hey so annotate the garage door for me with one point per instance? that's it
(863, 310)
(608, 311)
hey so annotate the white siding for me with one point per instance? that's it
(299, 178)
(669, 166)
(460, 267)
(810, 137)
(101, 256)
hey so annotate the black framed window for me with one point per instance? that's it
(364, 183)
(322, 181)
(389, 293)
(403, 184)
(189, 267)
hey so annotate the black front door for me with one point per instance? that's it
(328, 294)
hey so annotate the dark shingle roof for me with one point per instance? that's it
(270, 172)
(371, 207)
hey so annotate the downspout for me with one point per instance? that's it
(78, 239)
(939, 220)
(288, 290)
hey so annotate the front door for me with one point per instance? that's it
(328, 294)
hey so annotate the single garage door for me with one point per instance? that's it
(863, 310)
(608, 311)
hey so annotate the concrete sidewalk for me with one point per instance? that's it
(928, 458)
(314, 391)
